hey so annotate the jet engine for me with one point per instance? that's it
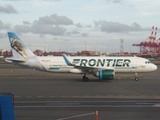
(106, 74)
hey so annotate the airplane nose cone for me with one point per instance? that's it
(154, 67)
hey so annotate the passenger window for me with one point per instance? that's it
(147, 62)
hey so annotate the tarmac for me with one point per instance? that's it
(47, 96)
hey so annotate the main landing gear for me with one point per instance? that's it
(136, 77)
(85, 78)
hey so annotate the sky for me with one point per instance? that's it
(75, 25)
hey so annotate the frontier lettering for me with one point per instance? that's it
(102, 62)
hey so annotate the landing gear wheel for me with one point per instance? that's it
(86, 79)
(83, 77)
(136, 78)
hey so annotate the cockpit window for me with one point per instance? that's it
(147, 62)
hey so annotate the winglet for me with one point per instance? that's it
(66, 60)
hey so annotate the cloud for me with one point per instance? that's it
(42, 35)
(22, 29)
(4, 26)
(79, 25)
(40, 29)
(116, 1)
(55, 20)
(97, 23)
(2, 35)
(26, 22)
(75, 32)
(116, 27)
(8, 9)
(53, 25)
(48, 29)
(85, 34)
(89, 26)
(135, 27)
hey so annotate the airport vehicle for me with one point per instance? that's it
(102, 67)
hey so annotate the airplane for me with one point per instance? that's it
(102, 67)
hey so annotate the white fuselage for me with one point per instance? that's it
(119, 64)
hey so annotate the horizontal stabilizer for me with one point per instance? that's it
(14, 60)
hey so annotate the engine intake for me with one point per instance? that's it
(106, 74)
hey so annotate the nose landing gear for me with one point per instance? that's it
(136, 77)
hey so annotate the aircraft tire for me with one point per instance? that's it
(136, 78)
(85, 79)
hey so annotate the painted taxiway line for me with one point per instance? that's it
(90, 96)
(77, 116)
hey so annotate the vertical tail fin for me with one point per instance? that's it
(19, 49)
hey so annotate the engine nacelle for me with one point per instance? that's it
(106, 74)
